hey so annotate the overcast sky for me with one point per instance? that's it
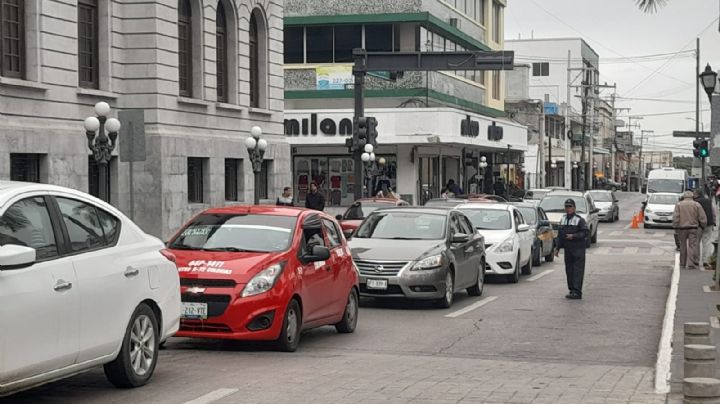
(618, 30)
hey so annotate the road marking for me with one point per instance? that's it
(664, 358)
(540, 275)
(472, 307)
(212, 396)
(714, 322)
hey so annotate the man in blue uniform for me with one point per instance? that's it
(572, 236)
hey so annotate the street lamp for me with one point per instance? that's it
(256, 149)
(368, 157)
(100, 144)
(708, 79)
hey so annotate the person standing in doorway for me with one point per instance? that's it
(286, 199)
(314, 199)
(688, 219)
(572, 236)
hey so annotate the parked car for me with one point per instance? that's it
(659, 209)
(419, 253)
(485, 198)
(445, 202)
(535, 195)
(541, 230)
(80, 286)
(354, 215)
(554, 205)
(607, 203)
(508, 241)
(610, 185)
(264, 273)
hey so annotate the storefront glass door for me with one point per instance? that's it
(429, 176)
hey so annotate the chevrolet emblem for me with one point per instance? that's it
(195, 290)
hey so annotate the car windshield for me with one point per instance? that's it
(361, 210)
(663, 199)
(489, 219)
(403, 226)
(672, 186)
(529, 214)
(535, 195)
(556, 203)
(602, 196)
(444, 202)
(236, 233)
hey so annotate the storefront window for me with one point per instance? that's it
(335, 177)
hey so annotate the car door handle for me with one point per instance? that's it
(62, 285)
(130, 272)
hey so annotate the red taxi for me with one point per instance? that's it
(264, 273)
(360, 209)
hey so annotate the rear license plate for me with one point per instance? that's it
(194, 310)
(377, 284)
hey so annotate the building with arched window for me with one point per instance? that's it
(202, 72)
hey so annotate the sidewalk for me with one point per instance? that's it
(693, 305)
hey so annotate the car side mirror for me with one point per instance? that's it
(319, 253)
(338, 217)
(460, 238)
(348, 234)
(523, 228)
(595, 210)
(14, 256)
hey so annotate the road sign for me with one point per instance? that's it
(132, 135)
(692, 134)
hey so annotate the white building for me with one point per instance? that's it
(432, 125)
(204, 71)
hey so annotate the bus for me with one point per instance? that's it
(667, 179)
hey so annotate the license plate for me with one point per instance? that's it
(377, 283)
(194, 310)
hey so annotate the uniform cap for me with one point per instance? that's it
(569, 202)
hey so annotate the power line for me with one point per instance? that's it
(671, 113)
(657, 100)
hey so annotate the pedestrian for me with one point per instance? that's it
(454, 188)
(688, 219)
(444, 193)
(707, 231)
(286, 199)
(499, 187)
(572, 237)
(315, 200)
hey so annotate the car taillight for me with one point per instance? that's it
(169, 255)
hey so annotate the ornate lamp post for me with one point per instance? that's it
(576, 176)
(708, 78)
(256, 149)
(101, 144)
(553, 166)
(368, 157)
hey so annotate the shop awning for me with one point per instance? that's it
(600, 150)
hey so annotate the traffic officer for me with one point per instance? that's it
(572, 236)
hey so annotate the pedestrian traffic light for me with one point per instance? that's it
(360, 133)
(701, 148)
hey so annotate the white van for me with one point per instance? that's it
(667, 180)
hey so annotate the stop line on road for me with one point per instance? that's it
(482, 302)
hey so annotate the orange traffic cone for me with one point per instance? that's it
(641, 216)
(634, 224)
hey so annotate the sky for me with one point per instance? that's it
(659, 88)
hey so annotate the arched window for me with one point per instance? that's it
(12, 38)
(254, 63)
(221, 39)
(185, 46)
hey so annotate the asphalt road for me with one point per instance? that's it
(516, 343)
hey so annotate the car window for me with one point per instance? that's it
(556, 203)
(82, 223)
(313, 233)
(389, 224)
(110, 225)
(27, 223)
(518, 219)
(455, 227)
(529, 215)
(332, 233)
(467, 227)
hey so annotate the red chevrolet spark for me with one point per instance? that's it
(264, 273)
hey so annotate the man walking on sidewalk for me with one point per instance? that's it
(572, 236)
(707, 232)
(688, 218)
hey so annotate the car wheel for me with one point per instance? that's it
(515, 276)
(350, 316)
(138, 355)
(292, 324)
(536, 258)
(593, 238)
(646, 226)
(527, 268)
(477, 288)
(446, 301)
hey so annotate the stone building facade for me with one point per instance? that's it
(203, 71)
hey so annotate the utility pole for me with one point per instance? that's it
(614, 136)
(568, 108)
(585, 88)
(589, 174)
(641, 171)
(697, 110)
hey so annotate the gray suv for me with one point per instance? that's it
(419, 253)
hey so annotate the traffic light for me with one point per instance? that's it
(372, 131)
(701, 148)
(364, 132)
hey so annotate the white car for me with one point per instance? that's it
(508, 240)
(659, 209)
(534, 196)
(80, 286)
(554, 206)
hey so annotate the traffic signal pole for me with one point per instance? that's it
(359, 73)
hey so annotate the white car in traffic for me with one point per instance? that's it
(659, 209)
(80, 285)
(508, 240)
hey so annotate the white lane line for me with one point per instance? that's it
(540, 275)
(212, 396)
(664, 358)
(472, 307)
(714, 322)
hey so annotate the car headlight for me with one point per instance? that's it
(505, 246)
(428, 263)
(648, 210)
(263, 281)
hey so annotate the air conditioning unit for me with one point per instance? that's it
(454, 22)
